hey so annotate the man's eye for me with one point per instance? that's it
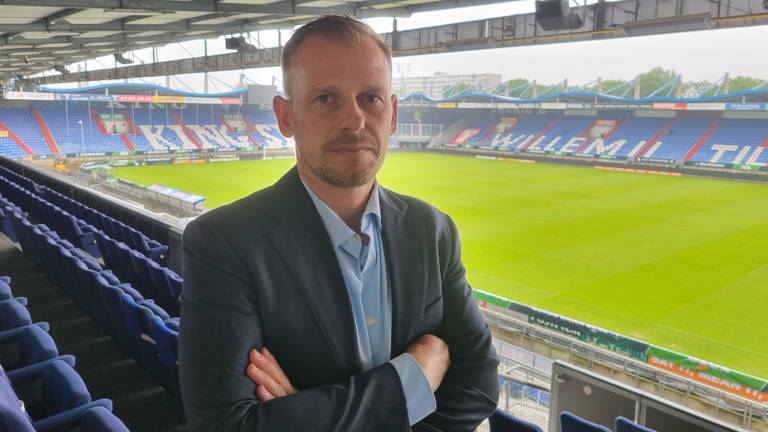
(372, 98)
(324, 98)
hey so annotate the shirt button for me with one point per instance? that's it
(371, 320)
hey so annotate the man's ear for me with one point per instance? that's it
(284, 115)
(393, 125)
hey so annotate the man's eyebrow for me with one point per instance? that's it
(329, 89)
(376, 89)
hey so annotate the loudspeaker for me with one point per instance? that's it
(556, 15)
(235, 43)
(120, 58)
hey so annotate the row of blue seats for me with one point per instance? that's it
(502, 421)
(6, 209)
(117, 230)
(86, 215)
(148, 277)
(39, 389)
(66, 225)
(142, 328)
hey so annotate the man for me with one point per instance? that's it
(326, 302)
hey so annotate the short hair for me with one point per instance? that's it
(339, 28)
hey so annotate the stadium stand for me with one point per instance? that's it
(736, 141)
(39, 389)
(66, 128)
(693, 137)
(21, 123)
(143, 329)
(684, 133)
(35, 131)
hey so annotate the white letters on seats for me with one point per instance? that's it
(156, 139)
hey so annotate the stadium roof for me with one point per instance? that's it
(757, 94)
(138, 89)
(754, 95)
(34, 38)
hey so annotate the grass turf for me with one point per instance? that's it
(680, 262)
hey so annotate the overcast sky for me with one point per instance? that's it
(704, 55)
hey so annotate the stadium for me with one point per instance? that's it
(613, 232)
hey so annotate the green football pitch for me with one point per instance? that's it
(680, 262)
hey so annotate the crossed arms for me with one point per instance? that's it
(228, 385)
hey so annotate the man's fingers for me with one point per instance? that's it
(260, 377)
(263, 394)
(267, 363)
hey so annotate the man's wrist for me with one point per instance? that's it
(419, 398)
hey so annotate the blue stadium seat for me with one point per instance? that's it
(100, 419)
(570, 422)
(13, 315)
(502, 421)
(28, 346)
(122, 324)
(53, 394)
(166, 334)
(139, 321)
(624, 424)
(5, 291)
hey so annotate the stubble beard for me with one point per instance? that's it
(349, 177)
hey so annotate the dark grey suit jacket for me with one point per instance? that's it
(262, 272)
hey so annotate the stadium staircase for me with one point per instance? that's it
(655, 138)
(224, 122)
(104, 367)
(552, 123)
(52, 145)
(17, 140)
(451, 130)
(615, 127)
(249, 133)
(708, 133)
(585, 134)
(131, 124)
(186, 130)
(99, 124)
(127, 140)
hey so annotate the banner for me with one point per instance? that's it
(720, 377)
(27, 95)
(709, 373)
(99, 97)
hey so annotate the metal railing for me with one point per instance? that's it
(529, 349)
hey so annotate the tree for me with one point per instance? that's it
(653, 79)
(457, 88)
(742, 83)
(611, 83)
(514, 86)
(692, 89)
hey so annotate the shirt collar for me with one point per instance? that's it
(337, 229)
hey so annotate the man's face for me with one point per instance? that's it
(340, 111)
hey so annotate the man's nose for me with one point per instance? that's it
(353, 118)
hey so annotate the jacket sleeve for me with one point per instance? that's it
(219, 326)
(469, 392)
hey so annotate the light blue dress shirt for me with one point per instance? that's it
(363, 268)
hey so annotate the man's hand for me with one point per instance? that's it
(431, 353)
(271, 382)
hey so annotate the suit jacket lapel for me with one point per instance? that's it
(303, 242)
(403, 244)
